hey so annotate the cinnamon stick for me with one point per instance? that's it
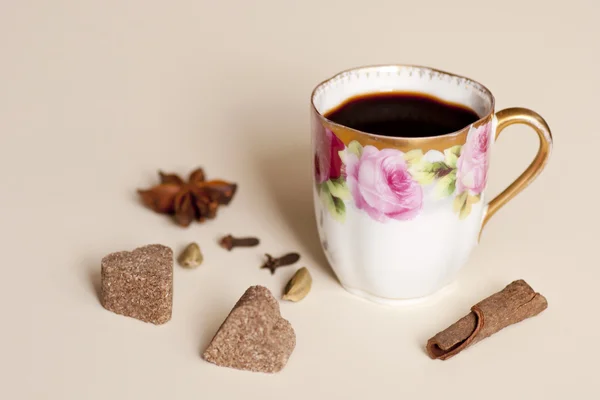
(516, 302)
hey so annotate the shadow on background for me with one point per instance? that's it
(287, 179)
(276, 143)
(95, 280)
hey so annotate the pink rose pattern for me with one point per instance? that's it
(472, 165)
(380, 181)
(382, 186)
(328, 164)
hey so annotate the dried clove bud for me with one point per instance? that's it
(273, 263)
(191, 257)
(299, 286)
(229, 242)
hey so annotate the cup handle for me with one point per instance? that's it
(507, 117)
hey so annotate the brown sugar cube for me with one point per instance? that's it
(254, 336)
(139, 283)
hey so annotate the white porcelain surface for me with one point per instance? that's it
(399, 259)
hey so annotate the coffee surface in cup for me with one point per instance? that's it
(402, 114)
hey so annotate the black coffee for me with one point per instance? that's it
(402, 114)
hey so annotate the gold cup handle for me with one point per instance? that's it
(530, 118)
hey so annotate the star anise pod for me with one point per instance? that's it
(195, 199)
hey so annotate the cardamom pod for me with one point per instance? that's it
(191, 256)
(299, 286)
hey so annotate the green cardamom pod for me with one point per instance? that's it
(299, 286)
(191, 256)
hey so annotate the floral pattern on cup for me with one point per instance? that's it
(381, 184)
(329, 172)
(328, 164)
(472, 167)
(388, 183)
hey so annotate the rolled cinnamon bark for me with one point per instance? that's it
(516, 302)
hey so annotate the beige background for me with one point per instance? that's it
(95, 96)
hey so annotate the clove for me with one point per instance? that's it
(229, 242)
(273, 263)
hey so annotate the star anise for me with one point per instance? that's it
(195, 199)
